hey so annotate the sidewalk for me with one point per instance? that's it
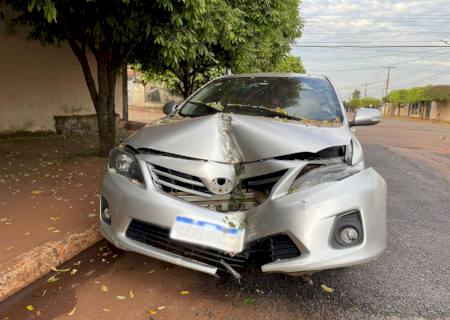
(49, 189)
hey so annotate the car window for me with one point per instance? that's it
(302, 97)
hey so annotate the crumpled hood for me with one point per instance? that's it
(233, 138)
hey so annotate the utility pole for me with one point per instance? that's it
(365, 90)
(387, 79)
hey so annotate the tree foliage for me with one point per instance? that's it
(364, 102)
(289, 64)
(440, 94)
(356, 94)
(242, 36)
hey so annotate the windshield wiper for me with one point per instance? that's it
(265, 109)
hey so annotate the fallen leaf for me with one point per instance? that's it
(121, 297)
(104, 288)
(184, 292)
(44, 292)
(29, 307)
(106, 310)
(249, 301)
(60, 270)
(131, 294)
(150, 271)
(52, 279)
(326, 289)
(72, 311)
(35, 192)
(87, 274)
(73, 271)
(152, 312)
(161, 307)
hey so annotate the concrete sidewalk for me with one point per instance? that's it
(49, 191)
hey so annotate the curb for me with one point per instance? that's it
(32, 265)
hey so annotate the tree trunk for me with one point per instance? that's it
(105, 105)
(104, 97)
(125, 93)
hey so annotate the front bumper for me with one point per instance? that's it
(307, 217)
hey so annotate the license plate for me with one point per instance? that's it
(208, 234)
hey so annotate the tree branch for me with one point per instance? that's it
(80, 53)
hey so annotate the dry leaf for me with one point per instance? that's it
(121, 297)
(184, 292)
(131, 294)
(60, 270)
(161, 307)
(150, 271)
(326, 289)
(152, 312)
(29, 307)
(52, 279)
(72, 311)
(104, 288)
(89, 273)
(106, 310)
(73, 271)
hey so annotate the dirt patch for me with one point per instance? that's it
(49, 187)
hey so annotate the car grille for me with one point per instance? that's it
(174, 181)
(191, 189)
(260, 252)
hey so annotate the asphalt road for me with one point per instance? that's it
(411, 280)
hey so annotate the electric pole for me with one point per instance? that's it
(365, 90)
(387, 79)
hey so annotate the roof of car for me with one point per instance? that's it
(273, 74)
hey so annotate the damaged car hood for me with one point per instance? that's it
(234, 138)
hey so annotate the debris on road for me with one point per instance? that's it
(326, 288)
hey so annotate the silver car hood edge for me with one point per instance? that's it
(234, 138)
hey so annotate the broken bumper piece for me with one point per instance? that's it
(288, 233)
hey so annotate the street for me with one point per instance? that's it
(410, 280)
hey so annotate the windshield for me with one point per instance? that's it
(293, 97)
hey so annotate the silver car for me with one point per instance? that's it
(251, 170)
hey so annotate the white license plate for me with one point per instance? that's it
(208, 234)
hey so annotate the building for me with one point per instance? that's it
(421, 110)
(40, 83)
(142, 94)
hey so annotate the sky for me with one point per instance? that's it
(410, 24)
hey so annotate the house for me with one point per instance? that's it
(39, 85)
(421, 110)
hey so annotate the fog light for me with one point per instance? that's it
(105, 212)
(349, 235)
(348, 230)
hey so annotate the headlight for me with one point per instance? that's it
(323, 174)
(125, 163)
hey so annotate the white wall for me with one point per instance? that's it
(38, 82)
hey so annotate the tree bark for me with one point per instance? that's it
(105, 104)
(103, 97)
(125, 93)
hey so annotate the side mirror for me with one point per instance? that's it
(366, 117)
(169, 107)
